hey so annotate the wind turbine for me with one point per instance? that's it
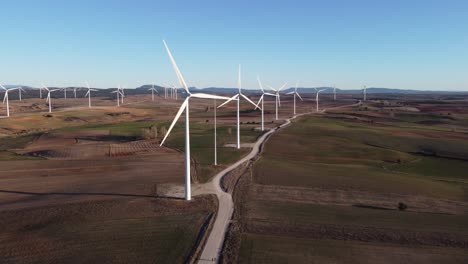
(185, 108)
(89, 94)
(65, 92)
(278, 100)
(238, 96)
(334, 93)
(117, 92)
(295, 93)
(5, 98)
(74, 91)
(122, 94)
(215, 140)
(19, 92)
(152, 89)
(364, 92)
(317, 98)
(40, 92)
(261, 100)
(48, 99)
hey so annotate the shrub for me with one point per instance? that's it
(402, 206)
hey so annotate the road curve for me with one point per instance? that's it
(214, 243)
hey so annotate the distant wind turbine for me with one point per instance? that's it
(364, 91)
(261, 100)
(153, 90)
(334, 93)
(117, 93)
(65, 92)
(278, 100)
(185, 108)
(5, 98)
(88, 94)
(295, 93)
(317, 98)
(48, 99)
(237, 97)
(74, 91)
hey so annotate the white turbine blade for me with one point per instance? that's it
(54, 90)
(299, 96)
(282, 86)
(259, 101)
(210, 96)
(176, 68)
(87, 94)
(235, 97)
(291, 93)
(260, 84)
(5, 96)
(2, 87)
(270, 94)
(271, 88)
(181, 109)
(321, 90)
(45, 87)
(250, 101)
(94, 90)
(87, 84)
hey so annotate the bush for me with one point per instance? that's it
(402, 206)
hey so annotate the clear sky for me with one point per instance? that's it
(412, 44)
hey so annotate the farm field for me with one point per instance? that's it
(87, 182)
(379, 182)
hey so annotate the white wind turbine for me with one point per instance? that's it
(237, 97)
(122, 94)
(278, 100)
(118, 94)
(334, 93)
(19, 92)
(153, 90)
(65, 92)
(295, 93)
(74, 91)
(40, 92)
(317, 98)
(185, 107)
(365, 92)
(5, 98)
(261, 100)
(48, 99)
(88, 94)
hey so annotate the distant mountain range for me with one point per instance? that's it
(370, 90)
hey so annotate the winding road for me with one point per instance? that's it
(214, 243)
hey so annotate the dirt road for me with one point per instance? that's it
(214, 243)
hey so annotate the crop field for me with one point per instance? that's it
(380, 182)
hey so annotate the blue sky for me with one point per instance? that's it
(400, 44)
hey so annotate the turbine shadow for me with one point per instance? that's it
(89, 194)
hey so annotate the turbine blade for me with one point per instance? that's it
(5, 96)
(299, 96)
(291, 93)
(210, 96)
(259, 101)
(176, 68)
(282, 86)
(179, 113)
(250, 101)
(229, 100)
(86, 94)
(2, 87)
(260, 84)
(271, 88)
(270, 94)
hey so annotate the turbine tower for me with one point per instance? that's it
(5, 98)
(117, 92)
(295, 93)
(365, 92)
(185, 108)
(19, 92)
(334, 93)
(237, 97)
